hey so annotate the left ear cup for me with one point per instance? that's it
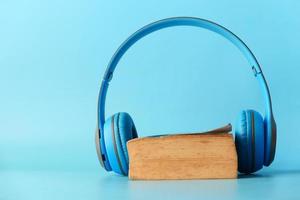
(249, 140)
(119, 129)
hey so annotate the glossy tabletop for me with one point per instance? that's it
(271, 184)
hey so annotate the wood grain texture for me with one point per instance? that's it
(191, 156)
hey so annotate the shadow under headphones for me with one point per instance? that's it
(255, 136)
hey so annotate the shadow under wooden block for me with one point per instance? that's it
(183, 156)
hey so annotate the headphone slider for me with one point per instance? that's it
(255, 71)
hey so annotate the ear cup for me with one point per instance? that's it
(249, 140)
(119, 129)
(270, 139)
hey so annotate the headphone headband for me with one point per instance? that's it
(170, 22)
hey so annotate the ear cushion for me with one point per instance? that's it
(119, 129)
(249, 140)
(126, 131)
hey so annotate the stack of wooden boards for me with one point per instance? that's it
(209, 155)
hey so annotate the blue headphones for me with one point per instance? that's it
(255, 136)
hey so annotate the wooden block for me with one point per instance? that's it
(189, 156)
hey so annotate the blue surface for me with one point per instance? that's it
(279, 184)
(53, 55)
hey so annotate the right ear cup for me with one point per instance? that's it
(119, 129)
(249, 140)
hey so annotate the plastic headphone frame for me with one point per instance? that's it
(269, 122)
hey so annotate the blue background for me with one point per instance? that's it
(53, 55)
